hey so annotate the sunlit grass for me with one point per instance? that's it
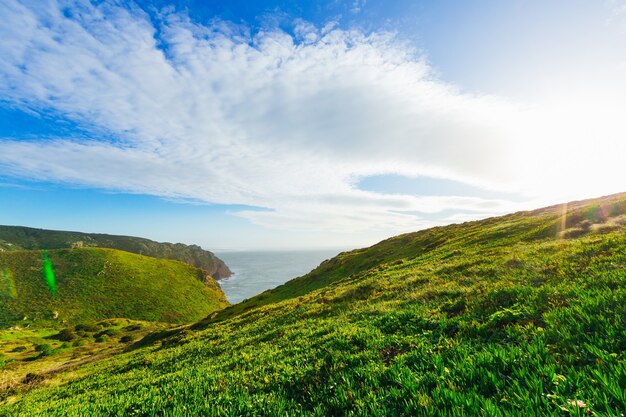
(503, 317)
(66, 286)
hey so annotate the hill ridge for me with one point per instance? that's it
(22, 237)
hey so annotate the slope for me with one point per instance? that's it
(518, 315)
(51, 288)
(593, 217)
(18, 237)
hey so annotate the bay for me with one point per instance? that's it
(257, 271)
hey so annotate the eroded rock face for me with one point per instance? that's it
(203, 259)
(221, 270)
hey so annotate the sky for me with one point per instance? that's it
(299, 124)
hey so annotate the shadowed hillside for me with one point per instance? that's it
(18, 237)
(511, 316)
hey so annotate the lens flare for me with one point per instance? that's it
(563, 223)
(7, 285)
(48, 273)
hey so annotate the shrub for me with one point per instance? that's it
(44, 349)
(31, 378)
(4, 361)
(18, 349)
(127, 339)
(573, 233)
(79, 342)
(585, 225)
(606, 228)
(88, 328)
(101, 339)
(65, 335)
(108, 332)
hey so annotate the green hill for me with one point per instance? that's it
(64, 286)
(18, 237)
(518, 315)
(560, 223)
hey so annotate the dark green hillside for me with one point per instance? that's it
(521, 315)
(93, 284)
(17, 237)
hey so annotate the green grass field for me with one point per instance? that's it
(93, 284)
(521, 315)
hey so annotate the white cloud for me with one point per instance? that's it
(287, 123)
(618, 10)
(357, 6)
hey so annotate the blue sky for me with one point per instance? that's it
(292, 124)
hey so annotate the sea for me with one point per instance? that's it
(257, 271)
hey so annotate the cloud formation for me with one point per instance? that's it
(213, 112)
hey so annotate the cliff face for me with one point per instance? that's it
(18, 237)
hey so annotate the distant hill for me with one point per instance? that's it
(18, 237)
(92, 283)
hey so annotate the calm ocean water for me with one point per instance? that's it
(255, 272)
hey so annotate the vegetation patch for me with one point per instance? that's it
(95, 284)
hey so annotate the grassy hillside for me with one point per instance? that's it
(93, 284)
(512, 316)
(17, 237)
(33, 354)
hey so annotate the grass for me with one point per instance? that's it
(18, 237)
(508, 316)
(32, 355)
(92, 284)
